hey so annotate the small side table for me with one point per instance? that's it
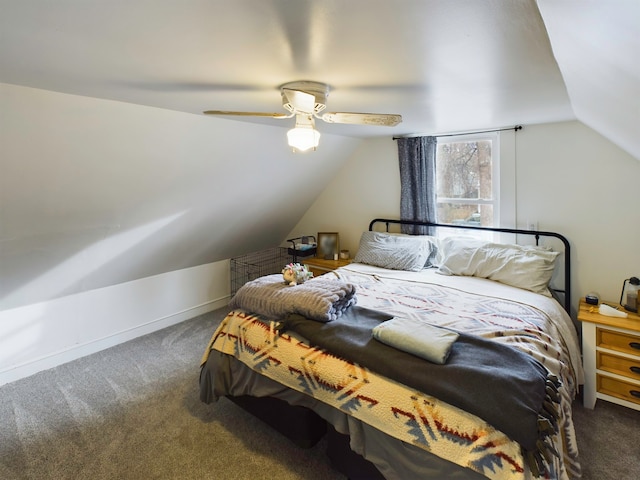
(320, 266)
(611, 357)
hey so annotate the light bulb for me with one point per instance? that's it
(303, 138)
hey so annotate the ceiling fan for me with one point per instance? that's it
(306, 100)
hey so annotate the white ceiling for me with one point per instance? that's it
(445, 66)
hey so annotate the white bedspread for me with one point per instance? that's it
(557, 319)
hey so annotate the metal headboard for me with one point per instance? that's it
(566, 291)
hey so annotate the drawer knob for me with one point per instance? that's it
(635, 345)
(635, 369)
(635, 393)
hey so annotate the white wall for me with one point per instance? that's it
(46, 334)
(368, 186)
(96, 193)
(118, 219)
(574, 181)
(569, 179)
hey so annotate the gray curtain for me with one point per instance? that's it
(417, 156)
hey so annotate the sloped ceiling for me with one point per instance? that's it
(442, 65)
(445, 66)
(597, 46)
(96, 193)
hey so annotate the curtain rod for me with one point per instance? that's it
(516, 128)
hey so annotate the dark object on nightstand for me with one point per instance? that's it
(630, 289)
(302, 247)
(592, 299)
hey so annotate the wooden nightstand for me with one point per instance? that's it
(611, 357)
(320, 266)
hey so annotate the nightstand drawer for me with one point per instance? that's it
(619, 389)
(317, 271)
(320, 266)
(620, 365)
(622, 342)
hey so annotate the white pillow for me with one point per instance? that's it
(526, 267)
(394, 251)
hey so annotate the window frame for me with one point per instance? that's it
(498, 201)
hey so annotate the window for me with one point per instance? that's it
(467, 180)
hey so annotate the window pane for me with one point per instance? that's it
(464, 170)
(465, 214)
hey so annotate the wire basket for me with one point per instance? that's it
(257, 264)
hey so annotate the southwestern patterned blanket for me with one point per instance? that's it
(502, 385)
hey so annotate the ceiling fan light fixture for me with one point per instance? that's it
(303, 138)
(305, 100)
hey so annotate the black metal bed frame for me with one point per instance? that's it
(304, 427)
(566, 291)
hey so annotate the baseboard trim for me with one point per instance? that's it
(17, 372)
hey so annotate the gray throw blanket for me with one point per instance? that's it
(498, 383)
(319, 299)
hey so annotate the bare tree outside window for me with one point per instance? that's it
(464, 182)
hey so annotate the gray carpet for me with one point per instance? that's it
(132, 412)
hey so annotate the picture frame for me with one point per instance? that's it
(328, 245)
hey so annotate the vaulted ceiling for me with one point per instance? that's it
(444, 66)
(126, 178)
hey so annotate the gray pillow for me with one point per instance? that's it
(394, 251)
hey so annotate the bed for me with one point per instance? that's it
(495, 400)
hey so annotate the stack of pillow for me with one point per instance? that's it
(528, 267)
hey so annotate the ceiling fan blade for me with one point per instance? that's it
(301, 102)
(378, 119)
(247, 114)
